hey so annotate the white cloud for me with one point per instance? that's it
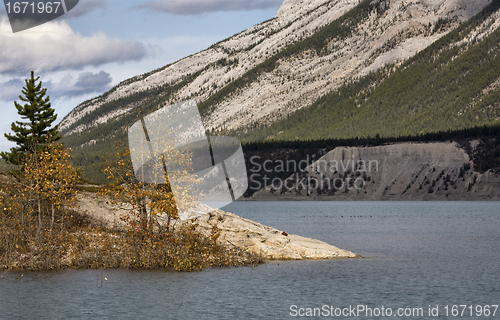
(86, 83)
(195, 7)
(55, 46)
(67, 87)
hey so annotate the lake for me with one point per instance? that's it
(424, 259)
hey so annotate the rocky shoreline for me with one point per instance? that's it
(270, 243)
(236, 232)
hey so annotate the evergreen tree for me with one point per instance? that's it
(37, 129)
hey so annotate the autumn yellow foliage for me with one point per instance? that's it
(39, 230)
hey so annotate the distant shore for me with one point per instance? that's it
(439, 171)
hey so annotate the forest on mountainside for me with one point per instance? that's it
(445, 88)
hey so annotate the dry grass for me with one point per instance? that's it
(74, 242)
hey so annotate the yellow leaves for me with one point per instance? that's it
(47, 176)
(146, 243)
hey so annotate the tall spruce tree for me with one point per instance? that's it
(36, 130)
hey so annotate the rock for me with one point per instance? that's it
(5, 179)
(271, 243)
(101, 209)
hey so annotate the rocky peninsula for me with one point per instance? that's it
(236, 232)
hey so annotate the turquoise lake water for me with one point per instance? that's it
(422, 256)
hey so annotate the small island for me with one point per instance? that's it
(234, 232)
(97, 233)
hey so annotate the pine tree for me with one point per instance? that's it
(36, 130)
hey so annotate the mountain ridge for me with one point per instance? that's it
(258, 41)
(251, 85)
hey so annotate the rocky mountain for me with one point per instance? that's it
(321, 69)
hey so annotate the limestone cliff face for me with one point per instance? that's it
(406, 171)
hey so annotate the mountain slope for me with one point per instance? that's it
(210, 69)
(318, 69)
(453, 84)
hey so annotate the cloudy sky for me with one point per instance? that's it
(103, 42)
